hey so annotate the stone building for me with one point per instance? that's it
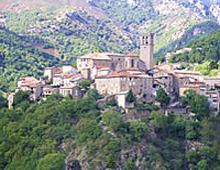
(122, 81)
(88, 63)
(213, 98)
(94, 64)
(164, 79)
(147, 49)
(210, 81)
(73, 91)
(30, 84)
(60, 75)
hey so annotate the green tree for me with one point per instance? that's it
(200, 106)
(162, 97)
(21, 96)
(202, 165)
(192, 157)
(130, 164)
(96, 49)
(93, 93)
(53, 161)
(114, 121)
(85, 84)
(130, 98)
(138, 130)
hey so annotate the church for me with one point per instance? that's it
(97, 64)
(116, 74)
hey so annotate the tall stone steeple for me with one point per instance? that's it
(147, 49)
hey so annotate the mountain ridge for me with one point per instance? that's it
(169, 20)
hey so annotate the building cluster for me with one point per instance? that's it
(181, 51)
(115, 74)
(56, 80)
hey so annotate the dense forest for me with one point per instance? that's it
(205, 54)
(204, 49)
(59, 131)
(19, 58)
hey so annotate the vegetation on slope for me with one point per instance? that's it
(19, 58)
(204, 49)
(67, 33)
(112, 26)
(45, 135)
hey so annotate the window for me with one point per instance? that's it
(132, 62)
(76, 92)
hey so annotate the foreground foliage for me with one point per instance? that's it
(44, 136)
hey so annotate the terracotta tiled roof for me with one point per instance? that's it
(123, 74)
(35, 85)
(115, 74)
(69, 75)
(186, 72)
(96, 56)
(130, 69)
(214, 78)
(193, 85)
(99, 67)
(28, 79)
(132, 55)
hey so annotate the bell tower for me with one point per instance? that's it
(147, 49)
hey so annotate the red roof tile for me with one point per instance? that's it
(115, 74)
(101, 67)
(69, 75)
(132, 55)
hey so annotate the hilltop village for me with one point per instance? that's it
(114, 75)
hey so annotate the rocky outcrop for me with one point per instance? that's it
(73, 165)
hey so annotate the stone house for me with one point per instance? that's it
(119, 81)
(210, 81)
(73, 91)
(49, 90)
(30, 84)
(165, 79)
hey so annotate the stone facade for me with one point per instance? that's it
(86, 64)
(89, 63)
(30, 84)
(73, 91)
(118, 82)
(147, 49)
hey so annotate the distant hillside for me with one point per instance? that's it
(19, 58)
(204, 49)
(74, 27)
(67, 32)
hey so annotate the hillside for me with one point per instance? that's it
(61, 133)
(19, 58)
(206, 48)
(71, 28)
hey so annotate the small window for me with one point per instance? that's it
(132, 62)
(76, 92)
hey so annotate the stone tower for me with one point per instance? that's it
(147, 49)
